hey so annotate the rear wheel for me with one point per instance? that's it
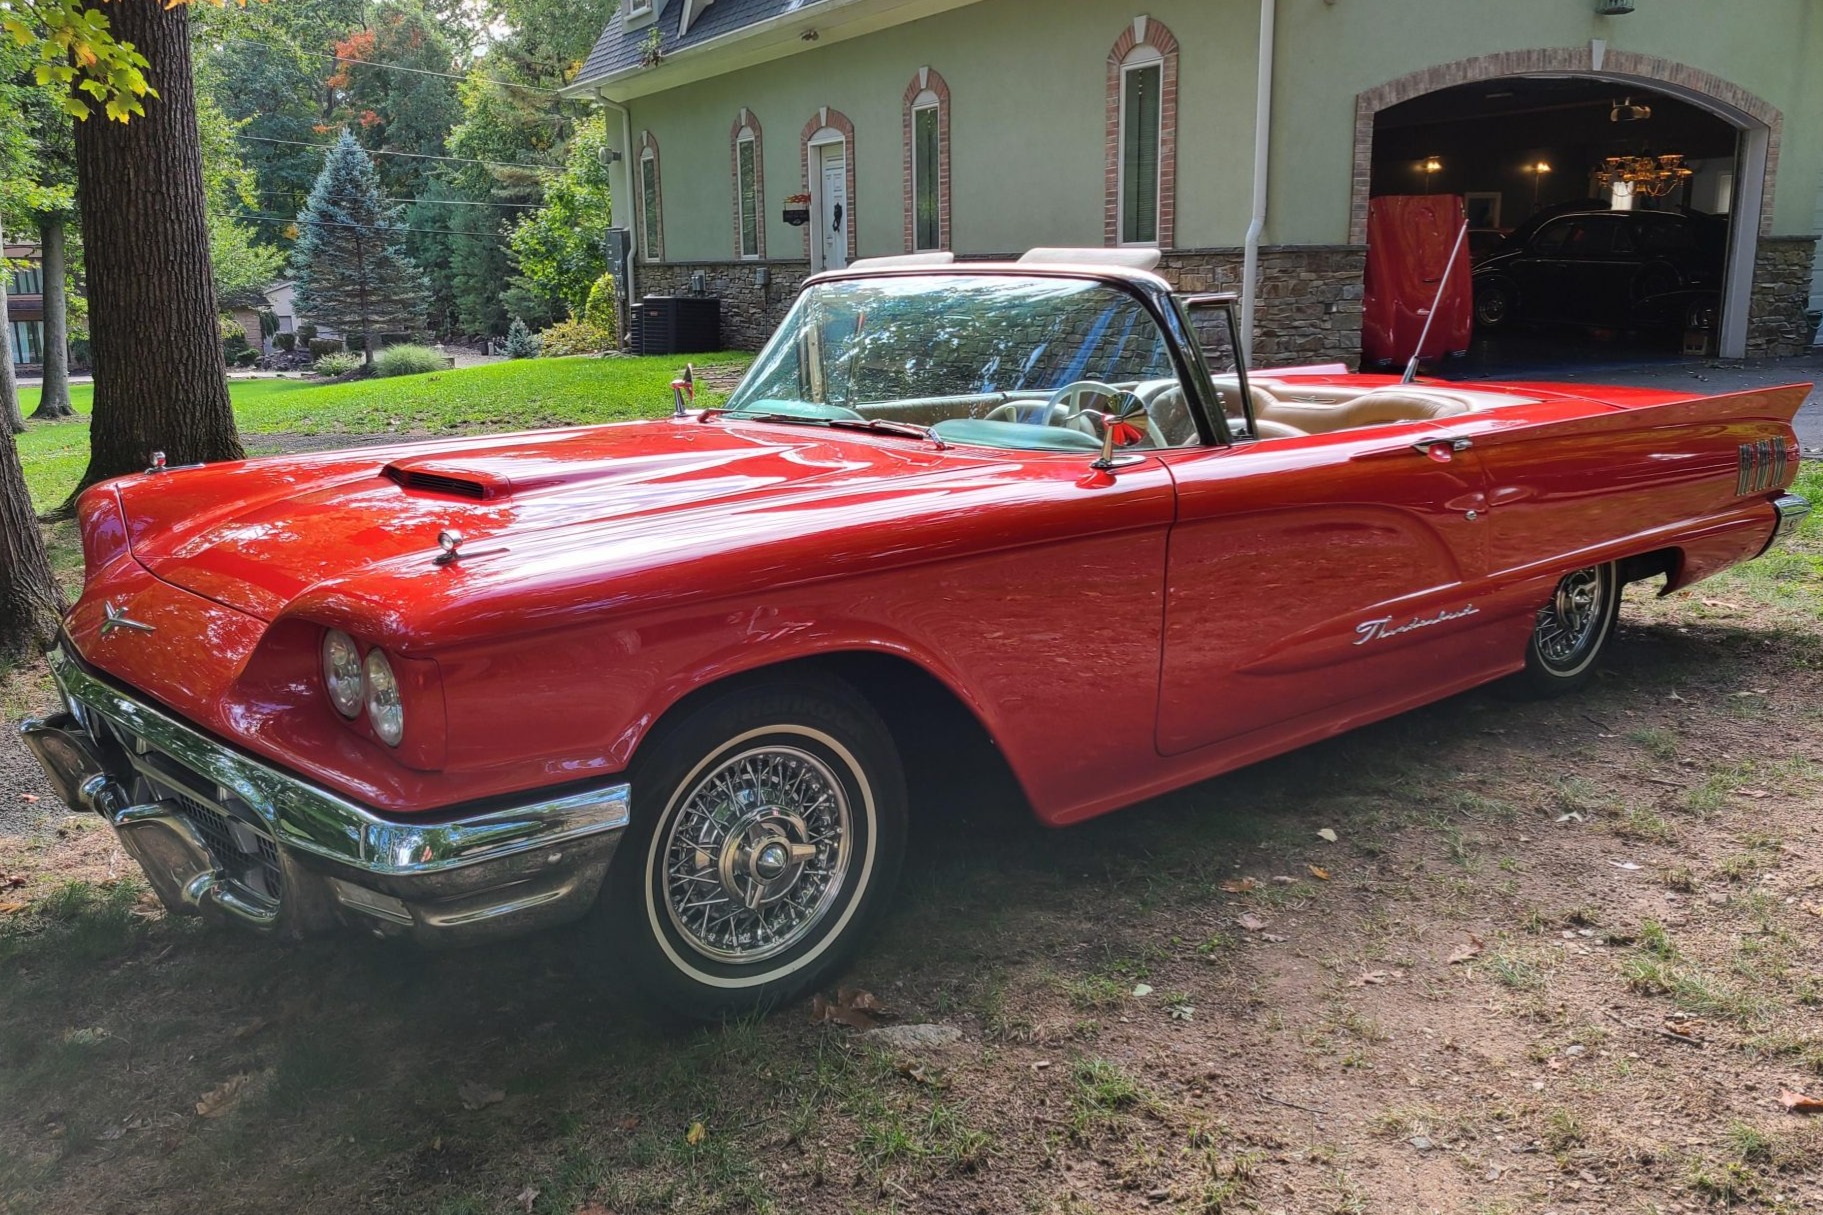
(1571, 631)
(1493, 305)
(767, 833)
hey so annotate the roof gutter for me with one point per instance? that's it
(1262, 148)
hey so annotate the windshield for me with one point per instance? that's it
(991, 360)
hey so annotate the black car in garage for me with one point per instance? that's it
(1606, 269)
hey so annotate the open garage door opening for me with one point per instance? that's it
(1601, 217)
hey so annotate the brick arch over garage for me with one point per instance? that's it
(1758, 122)
(1735, 105)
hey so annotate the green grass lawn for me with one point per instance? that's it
(496, 396)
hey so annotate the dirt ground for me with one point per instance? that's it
(1559, 956)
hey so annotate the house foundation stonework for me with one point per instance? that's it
(1776, 323)
(1309, 307)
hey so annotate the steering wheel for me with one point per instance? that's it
(1065, 407)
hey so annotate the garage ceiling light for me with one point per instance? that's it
(1626, 111)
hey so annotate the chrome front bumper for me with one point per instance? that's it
(220, 832)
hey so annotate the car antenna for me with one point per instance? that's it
(1411, 368)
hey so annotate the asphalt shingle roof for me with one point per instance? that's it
(619, 48)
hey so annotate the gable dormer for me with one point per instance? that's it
(637, 14)
(692, 10)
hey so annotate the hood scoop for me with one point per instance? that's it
(430, 477)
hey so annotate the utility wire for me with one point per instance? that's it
(399, 67)
(464, 160)
(440, 202)
(382, 228)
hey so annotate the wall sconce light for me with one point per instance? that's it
(1537, 169)
(1432, 165)
(610, 156)
(1429, 166)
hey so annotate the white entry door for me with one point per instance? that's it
(832, 206)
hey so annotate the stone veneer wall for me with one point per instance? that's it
(749, 312)
(1309, 309)
(1776, 324)
(1309, 305)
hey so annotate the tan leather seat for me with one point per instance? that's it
(1373, 408)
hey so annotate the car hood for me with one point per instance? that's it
(255, 535)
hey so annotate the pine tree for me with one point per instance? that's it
(520, 344)
(351, 274)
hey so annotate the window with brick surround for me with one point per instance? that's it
(1142, 136)
(651, 200)
(927, 184)
(747, 161)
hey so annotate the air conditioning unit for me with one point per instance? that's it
(677, 324)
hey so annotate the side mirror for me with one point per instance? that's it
(1122, 425)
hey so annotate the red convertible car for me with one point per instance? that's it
(666, 674)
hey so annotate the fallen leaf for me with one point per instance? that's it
(1240, 885)
(10, 881)
(851, 1007)
(593, 1208)
(1251, 922)
(1283, 880)
(1471, 950)
(922, 1073)
(1374, 978)
(1327, 834)
(527, 1197)
(1623, 864)
(1720, 603)
(1574, 816)
(1142, 989)
(1183, 1012)
(250, 1028)
(1798, 1103)
(1318, 872)
(696, 1134)
(1274, 937)
(1812, 908)
(630, 1123)
(10, 908)
(223, 1097)
(479, 1096)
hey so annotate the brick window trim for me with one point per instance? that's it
(1616, 65)
(829, 118)
(927, 80)
(1144, 31)
(648, 142)
(747, 121)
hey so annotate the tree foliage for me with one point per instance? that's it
(559, 247)
(351, 272)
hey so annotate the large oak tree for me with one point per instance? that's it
(160, 382)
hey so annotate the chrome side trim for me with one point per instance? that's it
(315, 820)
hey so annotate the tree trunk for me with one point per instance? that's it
(10, 421)
(160, 382)
(54, 398)
(29, 600)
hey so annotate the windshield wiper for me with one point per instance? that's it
(890, 426)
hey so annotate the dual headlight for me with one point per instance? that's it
(353, 684)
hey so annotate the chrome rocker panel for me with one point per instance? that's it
(495, 873)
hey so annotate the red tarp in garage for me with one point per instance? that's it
(1409, 237)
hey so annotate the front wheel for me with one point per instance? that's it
(1571, 631)
(1493, 305)
(768, 826)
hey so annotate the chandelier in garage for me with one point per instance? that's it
(1654, 176)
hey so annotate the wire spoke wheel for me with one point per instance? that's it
(1572, 626)
(757, 853)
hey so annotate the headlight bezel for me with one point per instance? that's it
(382, 698)
(357, 695)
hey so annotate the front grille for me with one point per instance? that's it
(237, 840)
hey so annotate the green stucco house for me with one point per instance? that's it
(762, 140)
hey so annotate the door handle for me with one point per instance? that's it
(1440, 449)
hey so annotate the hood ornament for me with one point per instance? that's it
(449, 540)
(114, 619)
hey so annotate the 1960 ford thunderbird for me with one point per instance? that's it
(662, 674)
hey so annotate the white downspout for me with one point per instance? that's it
(1262, 147)
(623, 194)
